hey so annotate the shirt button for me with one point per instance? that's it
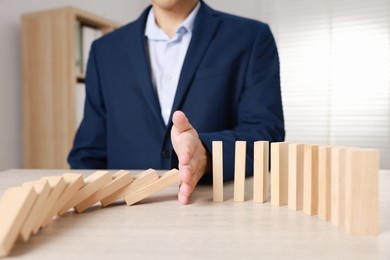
(167, 77)
(166, 153)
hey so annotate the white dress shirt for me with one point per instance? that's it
(167, 57)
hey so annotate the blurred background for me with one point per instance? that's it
(334, 56)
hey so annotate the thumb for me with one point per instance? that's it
(180, 122)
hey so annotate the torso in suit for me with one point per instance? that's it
(229, 88)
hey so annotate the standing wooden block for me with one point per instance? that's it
(260, 171)
(324, 182)
(57, 186)
(338, 156)
(167, 179)
(120, 179)
(143, 179)
(295, 176)
(93, 183)
(279, 174)
(74, 183)
(217, 171)
(362, 193)
(310, 179)
(239, 171)
(15, 204)
(42, 188)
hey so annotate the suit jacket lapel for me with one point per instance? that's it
(137, 54)
(205, 27)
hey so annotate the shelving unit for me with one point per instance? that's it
(49, 81)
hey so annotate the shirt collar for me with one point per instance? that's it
(153, 32)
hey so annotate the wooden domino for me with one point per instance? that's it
(239, 171)
(167, 179)
(337, 214)
(120, 179)
(143, 179)
(362, 192)
(295, 176)
(42, 188)
(217, 171)
(57, 185)
(74, 183)
(260, 171)
(324, 182)
(15, 204)
(310, 179)
(93, 183)
(279, 174)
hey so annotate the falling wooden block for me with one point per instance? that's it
(93, 183)
(324, 182)
(310, 179)
(260, 171)
(239, 171)
(217, 171)
(57, 186)
(167, 179)
(295, 176)
(120, 179)
(337, 214)
(279, 174)
(361, 192)
(15, 204)
(42, 188)
(143, 179)
(74, 183)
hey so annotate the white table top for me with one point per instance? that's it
(160, 228)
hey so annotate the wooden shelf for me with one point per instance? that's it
(49, 79)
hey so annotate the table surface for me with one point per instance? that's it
(161, 228)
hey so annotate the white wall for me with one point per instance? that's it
(11, 154)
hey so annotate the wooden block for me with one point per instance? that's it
(93, 183)
(120, 179)
(310, 179)
(57, 186)
(42, 188)
(337, 214)
(143, 179)
(324, 182)
(217, 171)
(362, 192)
(239, 171)
(167, 179)
(295, 176)
(260, 171)
(15, 204)
(279, 174)
(74, 183)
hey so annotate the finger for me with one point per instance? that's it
(189, 183)
(185, 174)
(183, 199)
(186, 189)
(185, 151)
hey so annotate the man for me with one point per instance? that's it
(181, 61)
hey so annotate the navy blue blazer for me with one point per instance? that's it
(229, 88)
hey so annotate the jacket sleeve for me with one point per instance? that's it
(89, 148)
(260, 114)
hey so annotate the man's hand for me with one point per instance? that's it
(190, 152)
